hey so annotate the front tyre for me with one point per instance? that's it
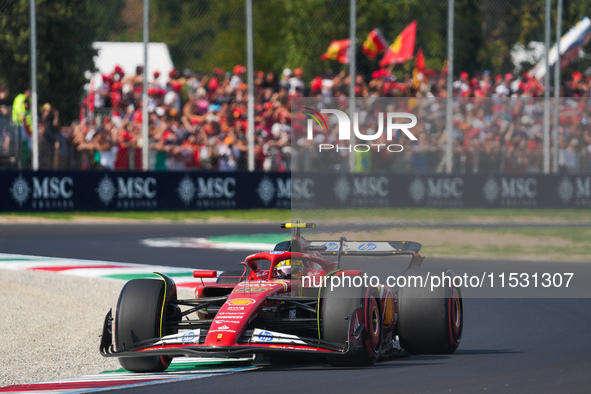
(140, 316)
(429, 322)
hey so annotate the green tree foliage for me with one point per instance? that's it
(201, 35)
(65, 32)
(204, 34)
(107, 16)
(14, 41)
(308, 28)
(504, 23)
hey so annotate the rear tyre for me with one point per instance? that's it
(430, 322)
(139, 317)
(337, 306)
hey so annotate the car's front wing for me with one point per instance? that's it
(255, 341)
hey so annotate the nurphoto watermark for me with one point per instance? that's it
(376, 130)
(434, 281)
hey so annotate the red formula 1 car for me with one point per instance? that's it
(290, 301)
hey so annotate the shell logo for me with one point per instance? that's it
(241, 301)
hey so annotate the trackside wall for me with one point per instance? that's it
(198, 190)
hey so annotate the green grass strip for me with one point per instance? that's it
(251, 238)
(190, 366)
(573, 234)
(24, 259)
(274, 215)
(432, 214)
(319, 216)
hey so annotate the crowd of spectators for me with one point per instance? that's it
(199, 121)
(497, 124)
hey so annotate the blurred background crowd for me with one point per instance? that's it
(90, 112)
(198, 121)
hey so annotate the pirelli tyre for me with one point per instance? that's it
(429, 322)
(139, 317)
(337, 307)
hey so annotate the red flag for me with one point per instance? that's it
(418, 73)
(374, 44)
(403, 47)
(338, 50)
(420, 61)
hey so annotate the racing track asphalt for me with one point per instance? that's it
(522, 345)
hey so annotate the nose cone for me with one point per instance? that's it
(243, 304)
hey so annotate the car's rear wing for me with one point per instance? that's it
(366, 248)
(369, 248)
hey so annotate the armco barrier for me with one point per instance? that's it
(121, 191)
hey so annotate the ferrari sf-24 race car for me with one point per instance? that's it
(283, 304)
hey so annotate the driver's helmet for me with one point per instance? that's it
(289, 269)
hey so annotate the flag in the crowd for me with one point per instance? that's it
(338, 50)
(570, 45)
(403, 47)
(374, 44)
(420, 64)
(418, 73)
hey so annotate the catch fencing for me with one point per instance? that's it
(99, 106)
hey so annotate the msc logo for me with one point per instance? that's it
(136, 187)
(280, 191)
(46, 192)
(302, 188)
(216, 187)
(53, 187)
(131, 188)
(518, 187)
(365, 189)
(436, 188)
(370, 186)
(511, 191)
